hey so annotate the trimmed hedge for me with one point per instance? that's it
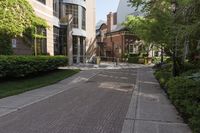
(21, 66)
(133, 60)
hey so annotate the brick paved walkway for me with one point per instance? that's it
(126, 100)
(97, 105)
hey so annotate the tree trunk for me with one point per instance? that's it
(162, 52)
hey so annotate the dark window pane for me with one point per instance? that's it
(42, 1)
(73, 10)
(83, 19)
(41, 41)
(57, 47)
(56, 8)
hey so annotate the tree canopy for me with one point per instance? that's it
(16, 16)
(161, 26)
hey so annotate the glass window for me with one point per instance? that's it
(42, 41)
(82, 48)
(75, 45)
(73, 10)
(63, 39)
(42, 1)
(131, 49)
(56, 8)
(14, 43)
(75, 48)
(57, 47)
(83, 19)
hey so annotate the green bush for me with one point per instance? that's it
(163, 76)
(185, 94)
(192, 74)
(21, 66)
(157, 60)
(5, 45)
(189, 66)
(133, 55)
(133, 60)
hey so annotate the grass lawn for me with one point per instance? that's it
(16, 86)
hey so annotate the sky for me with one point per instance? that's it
(103, 7)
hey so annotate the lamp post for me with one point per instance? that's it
(174, 7)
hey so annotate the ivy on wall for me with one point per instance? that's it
(16, 18)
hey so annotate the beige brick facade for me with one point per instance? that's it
(45, 11)
(90, 27)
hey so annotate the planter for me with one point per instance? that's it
(141, 61)
(148, 60)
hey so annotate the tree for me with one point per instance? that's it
(140, 26)
(151, 31)
(16, 16)
(167, 29)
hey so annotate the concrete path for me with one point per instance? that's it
(124, 100)
(150, 111)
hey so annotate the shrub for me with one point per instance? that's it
(163, 77)
(5, 45)
(163, 74)
(133, 60)
(185, 94)
(189, 66)
(133, 55)
(192, 74)
(21, 66)
(157, 60)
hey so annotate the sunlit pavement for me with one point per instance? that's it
(126, 99)
(105, 65)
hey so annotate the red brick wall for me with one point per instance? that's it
(117, 43)
(114, 43)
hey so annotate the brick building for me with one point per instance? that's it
(114, 41)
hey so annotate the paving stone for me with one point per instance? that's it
(158, 127)
(88, 107)
(6, 110)
(122, 100)
(149, 110)
(128, 126)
